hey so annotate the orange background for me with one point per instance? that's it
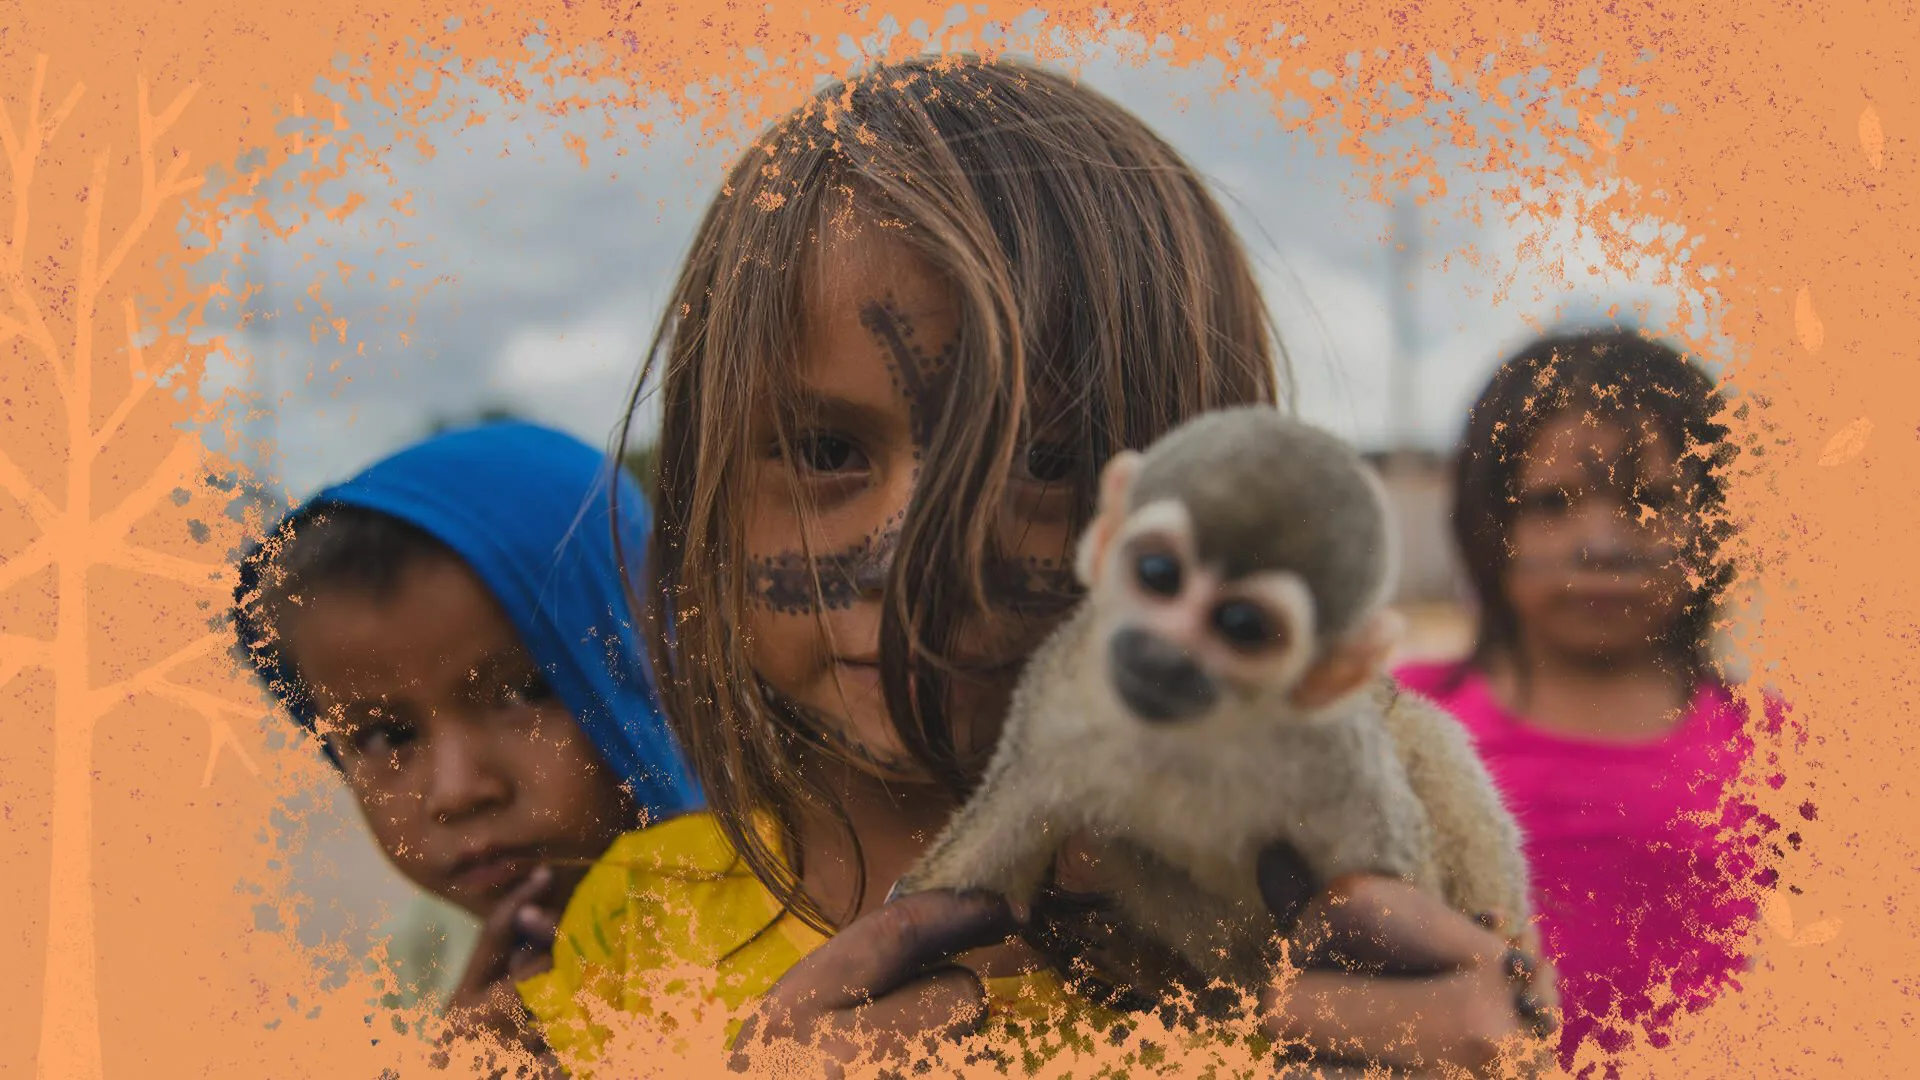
(144, 795)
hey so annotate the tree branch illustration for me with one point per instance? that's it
(139, 379)
(152, 194)
(37, 557)
(23, 153)
(20, 653)
(156, 564)
(165, 477)
(106, 697)
(211, 709)
(15, 483)
(70, 1034)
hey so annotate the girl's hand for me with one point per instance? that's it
(1397, 978)
(885, 981)
(516, 943)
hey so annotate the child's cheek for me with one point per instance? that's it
(781, 660)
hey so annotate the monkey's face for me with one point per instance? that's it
(1182, 639)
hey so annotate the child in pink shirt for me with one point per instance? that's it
(1590, 693)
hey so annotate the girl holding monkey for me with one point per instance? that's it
(925, 310)
(1585, 503)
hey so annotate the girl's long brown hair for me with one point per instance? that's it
(1097, 282)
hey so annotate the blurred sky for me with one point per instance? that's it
(532, 283)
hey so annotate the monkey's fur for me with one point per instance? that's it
(1311, 744)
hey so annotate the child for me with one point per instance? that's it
(922, 314)
(452, 623)
(1581, 509)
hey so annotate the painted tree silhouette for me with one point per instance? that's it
(122, 448)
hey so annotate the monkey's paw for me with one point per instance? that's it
(906, 886)
(920, 881)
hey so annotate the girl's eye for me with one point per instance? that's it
(825, 452)
(1549, 501)
(381, 738)
(1243, 624)
(1052, 463)
(1158, 574)
(533, 690)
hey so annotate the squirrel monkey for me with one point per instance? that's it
(1221, 688)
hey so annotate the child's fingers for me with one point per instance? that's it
(1459, 1019)
(950, 1000)
(501, 933)
(536, 927)
(526, 963)
(1382, 926)
(501, 920)
(1461, 990)
(946, 1003)
(885, 979)
(537, 924)
(884, 949)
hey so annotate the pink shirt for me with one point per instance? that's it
(1624, 885)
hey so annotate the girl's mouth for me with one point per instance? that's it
(1621, 585)
(862, 673)
(492, 870)
(1606, 605)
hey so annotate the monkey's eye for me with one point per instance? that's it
(1243, 624)
(1159, 574)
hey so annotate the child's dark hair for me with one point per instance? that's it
(1606, 373)
(329, 546)
(1103, 298)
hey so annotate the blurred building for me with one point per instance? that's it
(1432, 586)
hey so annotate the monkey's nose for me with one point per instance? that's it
(1156, 679)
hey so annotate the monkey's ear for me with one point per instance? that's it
(1350, 666)
(1116, 481)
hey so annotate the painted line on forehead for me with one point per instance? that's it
(923, 380)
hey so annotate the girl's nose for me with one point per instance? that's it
(460, 780)
(1606, 539)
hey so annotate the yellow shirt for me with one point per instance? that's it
(670, 916)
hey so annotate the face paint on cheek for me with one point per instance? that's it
(785, 582)
(924, 380)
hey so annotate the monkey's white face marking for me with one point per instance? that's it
(1182, 637)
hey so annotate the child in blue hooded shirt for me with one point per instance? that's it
(452, 625)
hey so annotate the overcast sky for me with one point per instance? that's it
(530, 282)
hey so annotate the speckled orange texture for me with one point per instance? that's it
(138, 904)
